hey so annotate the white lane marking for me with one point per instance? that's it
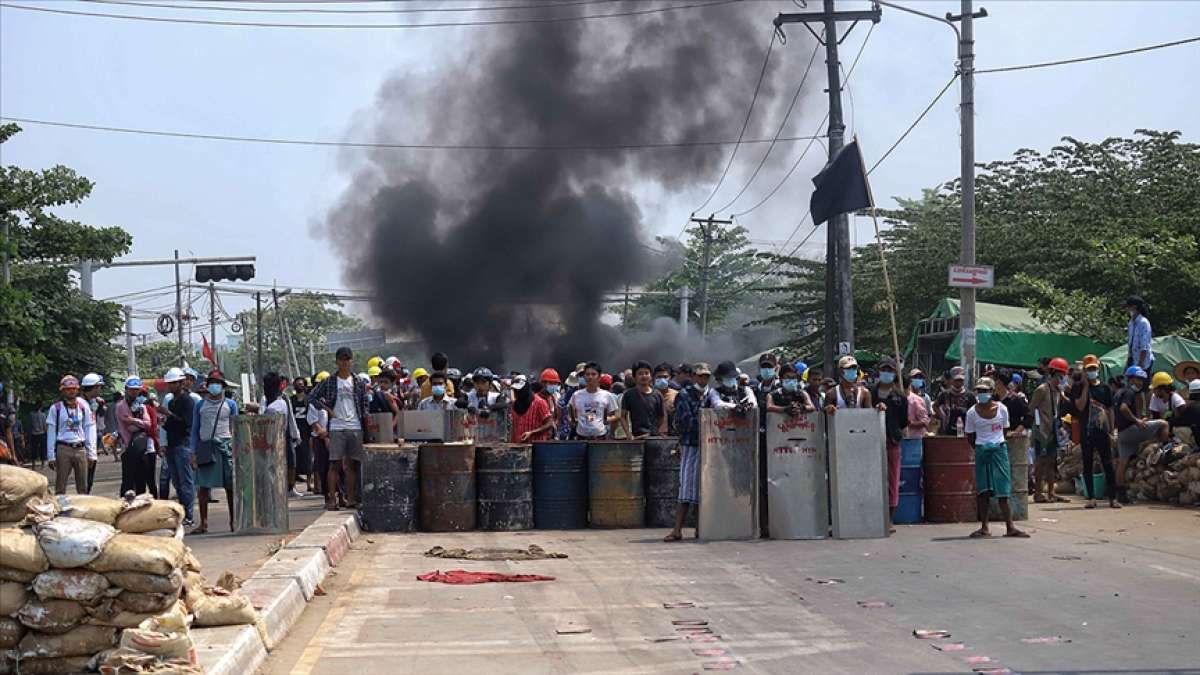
(1177, 573)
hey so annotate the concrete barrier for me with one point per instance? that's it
(347, 519)
(279, 602)
(330, 537)
(307, 566)
(229, 650)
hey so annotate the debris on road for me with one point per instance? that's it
(665, 638)
(1048, 520)
(465, 577)
(976, 660)
(1047, 640)
(572, 628)
(711, 651)
(720, 665)
(689, 622)
(678, 605)
(827, 582)
(949, 646)
(873, 604)
(1066, 557)
(533, 552)
(930, 633)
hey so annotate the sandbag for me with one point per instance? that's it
(125, 661)
(176, 645)
(52, 666)
(110, 615)
(70, 584)
(138, 553)
(211, 606)
(16, 512)
(149, 603)
(145, 514)
(83, 640)
(90, 507)
(51, 616)
(18, 484)
(147, 583)
(19, 549)
(19, 576)
(13, 597)
(190, 562)
(11, 632)
(73, 542)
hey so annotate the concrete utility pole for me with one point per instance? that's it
(312, 358)
(258, 331)
(85, 278)
(212, 324)
(837, 239)
(130, 355)
(966, 114)
(685, 294)
(706, 226)
(179, 310)
(5, 275)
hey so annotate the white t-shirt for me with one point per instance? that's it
(985, 430)
(592, 411)
(1160, 406)
(345, 417)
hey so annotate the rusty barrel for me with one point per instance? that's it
(504, 482)
(390, 491)
(662, 483)
(447, 498)
(560, 485)
(617, 493)
(1018, 469)
(949, 480)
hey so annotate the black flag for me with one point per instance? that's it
(841, 185)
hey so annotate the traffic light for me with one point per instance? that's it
(224, 272)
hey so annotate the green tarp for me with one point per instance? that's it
(1010, 336)
(1168, 351)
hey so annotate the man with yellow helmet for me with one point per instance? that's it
(1164, 400)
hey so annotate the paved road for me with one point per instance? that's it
(1122, 586)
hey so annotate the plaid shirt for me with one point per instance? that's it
(325, 393)
(687, 416)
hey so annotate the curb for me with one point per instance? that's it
(279, 590)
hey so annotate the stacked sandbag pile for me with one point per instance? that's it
(90, 582)
(1166, 472)
(1070, 465)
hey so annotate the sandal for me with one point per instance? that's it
(1018, 534)
(1090, 505)
(980, 534)
(1040, 499)
(1114, 505)
(1060, 500)
(673, 537)
(203, 529)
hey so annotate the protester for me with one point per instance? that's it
(70, 437)
(643, 408)
(1132, 427)
(592, 409)
(687, 426)
(789, 397)
(551, 388)
(985, 424)
(482, 400)
(729, 392)
(344, 398)
(134, 428)
(420, 382)
(953, 403)
(279, 404)
(1092, 403)
(1047, 401)
(440, 364)
(299, 400)
(531, 418)
(178, 408)
(1164, 400)
(37, 434)
(439, 395)
(1186, 371)
(814, 378)
(212, 445)
(1188, 417)
(1139, 335)
(919, 406)
(663, 375)
(318, 424)
(888, 396)
(848, 393)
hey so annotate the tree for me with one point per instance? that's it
(48, 327)
(796, 287)
(309, 317)
(155, 358)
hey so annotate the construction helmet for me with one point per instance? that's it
(550, 375)
(374, 362)
(419, 373)
(374, 371)
(321, 376)
(1059, 364)
(91, 380)
(1161, 379)
(1135, 371)
(173, 375)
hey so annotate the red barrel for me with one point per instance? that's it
(949, 480)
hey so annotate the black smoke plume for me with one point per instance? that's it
(503, 257)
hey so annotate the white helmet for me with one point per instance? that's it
(91, 380)
(174, 375)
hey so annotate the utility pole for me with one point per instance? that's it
(5, 274)
(625, 311)
(258, 331)
(706, 227)
(179, 311)
(685, 294)
(288, 353)
(212, 324)
(130, 355)
(966, 114)
(837, 238)
(85, 278)
(312, 358)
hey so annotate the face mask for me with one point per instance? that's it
(662, 383)
(438, 390)
(887, 378)
(850, 374)
(93, 404)
(729, 383)
(1136, 386)
(552, 388)
(215, 389)
(791, 385)
(1093, 375)
(918, 383)
(984, 396)
(141, 400)
(766, 373)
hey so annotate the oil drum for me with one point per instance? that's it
(949, 480)
(504, 483)
(617, 495)
(560, 485)
(390, 488)
(447, 499)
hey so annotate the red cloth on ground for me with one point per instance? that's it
(465, 577)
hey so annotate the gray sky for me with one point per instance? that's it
(213, 198)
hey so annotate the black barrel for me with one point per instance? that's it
(504, 483)
(390, 488)
(447, 487)
(560, 485)
(662, 483)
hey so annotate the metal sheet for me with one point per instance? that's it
(260, 499)
(495, 428)
(448, 426)
(728, 475)
(380, 428)
(797, 487)
(858, 474)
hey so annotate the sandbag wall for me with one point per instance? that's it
(89, 581)
(1163, 472)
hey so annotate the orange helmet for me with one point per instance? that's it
(550, 375)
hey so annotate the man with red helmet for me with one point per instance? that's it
(1047, 400)
(551, 386)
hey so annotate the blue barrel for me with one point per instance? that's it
(912, 451)
(912, 495)
(560, 485)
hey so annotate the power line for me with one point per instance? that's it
(393, 146)
(307, 10)
(1095, 57)
(915, 123)
(443, 24)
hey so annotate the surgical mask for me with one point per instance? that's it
(984, 396)
(552, 388)
(1136, 386)
(141, 400)
(661, 383)
(93, 404)
(850, 374)
(918, 383)
(886, 377)
(729, 383)
(791, 385)
(766, 373)
(1093, 375)
(438, 389)
(215, 389)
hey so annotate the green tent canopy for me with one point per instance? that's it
(1010, 336)
(1168, 350)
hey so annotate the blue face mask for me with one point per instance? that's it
(438, 389)
(1136, 386)
(766, 373)
(791, 385)
(1093, 375)
(141, 400)
(215, 389)
(918, 383)
(886, 377)
(729, 383)
(552, 388)
(984, 396)
(850, 374)
(662, 383)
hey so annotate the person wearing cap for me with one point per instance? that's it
(767, 380)
(1008, 392)
(920, 406)
(70, 437)
(702, 375)
(953, 402)
(135, 428)
(592, 409)
(439, 397)
(1186, 371)
(90, 389)
(212, 445)
(483, 399)
(299, 400)
(888, 396)
(420, 379)
(1164, 400)
(643, 409)
(1091, 402)
(1046, 403)
(847, 393)
(176, 411)
(688, 403)
(1139, 335)
(728, 392)
(531, 418)
(1133, 428)
(573, 383)
(344, 397)
(1188, 417)
(985, 425)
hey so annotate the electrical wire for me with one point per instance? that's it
(1094, 57)
(442, 24)
(307, 10)
(915, 123)
(393, 146)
